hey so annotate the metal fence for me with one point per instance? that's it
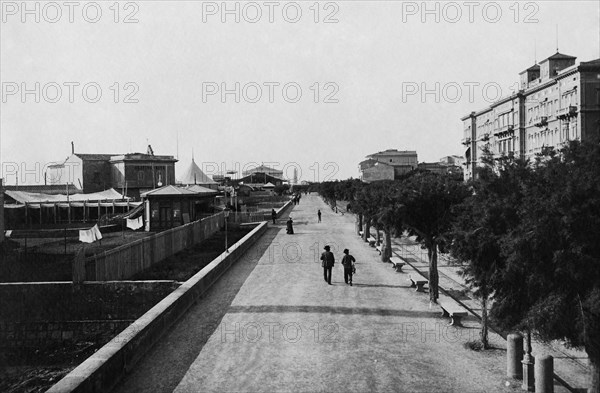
(123, 262)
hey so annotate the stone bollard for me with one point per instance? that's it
(544, 374)
(514, 355)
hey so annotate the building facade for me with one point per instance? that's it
(132, 174)
(558, 101)
(377, 165)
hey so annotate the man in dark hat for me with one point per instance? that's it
(348, 263)
(328, 262)
(273, 215)
(290, 226)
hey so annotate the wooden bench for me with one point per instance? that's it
(379, 248)
(453, 310)
(372, 241)
(397, 264)
(360, 233)
(417, 281)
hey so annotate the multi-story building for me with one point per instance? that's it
(558, 101)
(400, 162)
(132, 173)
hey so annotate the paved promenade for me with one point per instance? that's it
(286, 330)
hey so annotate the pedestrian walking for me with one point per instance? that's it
(273, 215)
(319, 214)
(348, 263)
(290, 226)
(328, 260)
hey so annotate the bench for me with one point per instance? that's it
(379, 248)
(372, 241)
(360, 233)
(453, 310)
(397, 264)
(417, 281)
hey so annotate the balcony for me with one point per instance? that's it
(466, 141)
(567, 112)
(485, 137)
(543, 122)
(505, 130)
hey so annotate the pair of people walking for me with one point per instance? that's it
(328, 261)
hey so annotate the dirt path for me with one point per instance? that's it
(275, 325)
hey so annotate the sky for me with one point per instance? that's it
(309, 85)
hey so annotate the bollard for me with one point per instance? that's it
(514, 355)
(544, 374)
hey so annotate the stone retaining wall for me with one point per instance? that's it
(101, 371)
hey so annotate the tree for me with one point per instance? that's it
(428, 199)
(551, 281)
(389, 214)
(480, 224)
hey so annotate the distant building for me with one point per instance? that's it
(171, 206)
(259, 179)
(264, 169)
(377, 166)
(373, 170)
(558, 101)
(132, 173)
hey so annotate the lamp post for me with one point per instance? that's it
(226, 213)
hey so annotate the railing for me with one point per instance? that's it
(127, 260)
(542, 122)
(566, 112)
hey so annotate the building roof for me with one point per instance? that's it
(535, 67)
(51, 189)
(33, 197)
(393, 151)
(141, 157)
(168, 190)
(94, 157)
(558, 56)
(194, 175)
(201, 190)
(262, 169)
(371, 163)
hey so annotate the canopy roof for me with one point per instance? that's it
(34, 197)
(171, 190)
(201, 190)
(194, 175)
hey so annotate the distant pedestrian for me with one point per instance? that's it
(319, 214)
(290, 226)
(273, 215)
(348, 262)
(328, 260)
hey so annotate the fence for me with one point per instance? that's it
(125, 261)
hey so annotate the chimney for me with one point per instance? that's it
(72, 148)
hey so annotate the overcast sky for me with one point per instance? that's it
(367, 71)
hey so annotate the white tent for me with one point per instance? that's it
(194, 175)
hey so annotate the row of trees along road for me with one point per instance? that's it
(526, 232)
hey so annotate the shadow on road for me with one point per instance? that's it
(384, 312)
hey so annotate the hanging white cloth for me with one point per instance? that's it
(90, 235)
(135, 223)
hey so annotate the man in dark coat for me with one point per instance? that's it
(328, 262)
(273, 215)
(319, 214)
(348, 262)
(290, 227)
